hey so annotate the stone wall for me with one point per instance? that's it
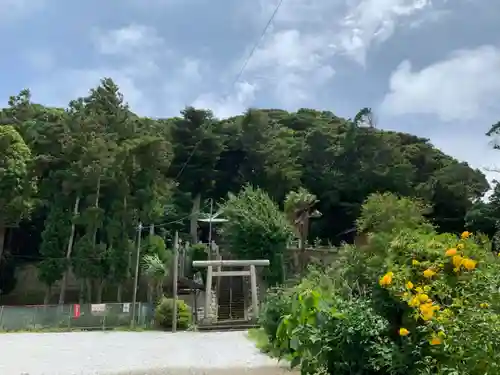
(200, 305)
(29, 290)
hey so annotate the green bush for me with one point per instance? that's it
(327, 334)
(256, 229)
(409, 301)
(278, 304)
(198, 252)
(164, 314)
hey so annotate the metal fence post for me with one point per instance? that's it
(70, 315)
(35, 316)
(1, 317)
(139, 317)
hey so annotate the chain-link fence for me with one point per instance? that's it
(73, 317)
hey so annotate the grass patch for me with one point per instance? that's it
(259, 337)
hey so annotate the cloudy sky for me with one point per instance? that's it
(429, 67)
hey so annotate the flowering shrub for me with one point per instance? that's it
(450, 286)
(410, 301)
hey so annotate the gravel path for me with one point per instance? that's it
(133, 353)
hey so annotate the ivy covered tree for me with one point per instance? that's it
(197, 147)
(53, 246)
(16, 187)
(257, 229)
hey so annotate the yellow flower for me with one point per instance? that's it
(415, 262)
(441, 334)
(409, 285)
(451, 252)
(414, 302)
(436, 340)
(427, 310)
(419, 289)
(460, 246)
(403, 332)
(457, 261)
(428, 273)
(465, 235)
(386, 280)
(469, 264)
(484, 305)
(423, 298)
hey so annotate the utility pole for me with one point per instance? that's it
(175, 281)
(210, 229)
(136, 276)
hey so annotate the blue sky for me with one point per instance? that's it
(429, 67)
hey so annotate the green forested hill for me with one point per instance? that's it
(111, 168)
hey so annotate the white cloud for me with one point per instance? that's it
(68, 84)
(292, 64)
(297, 56)
(128, 40)
(464, 86)
(373, 21)
(185, 82)
(139, 70)
(229, 105)
(291, 67)
(295, 13)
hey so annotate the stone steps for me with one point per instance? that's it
(236, 325)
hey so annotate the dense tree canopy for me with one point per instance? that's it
(89, 173)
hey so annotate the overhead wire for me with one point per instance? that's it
(145, 227)
(238, 76)
(235, 81)
(177, 221)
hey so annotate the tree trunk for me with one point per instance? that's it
(96, 205)
(3, 230)
(150, 293)
(119, 293)
(159, 290)
(69, 249)
(89, 281)
(81, 294)
(48, 293)
(88, 289)
(100, 290)
(195, 212)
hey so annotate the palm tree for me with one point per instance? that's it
(299, 209)
(156, 271)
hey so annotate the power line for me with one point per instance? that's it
(142, 227)
(257, 43)
(177, 221)
(238, 76)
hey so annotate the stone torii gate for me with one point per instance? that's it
(250, 264)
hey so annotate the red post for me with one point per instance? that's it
(76, 311)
